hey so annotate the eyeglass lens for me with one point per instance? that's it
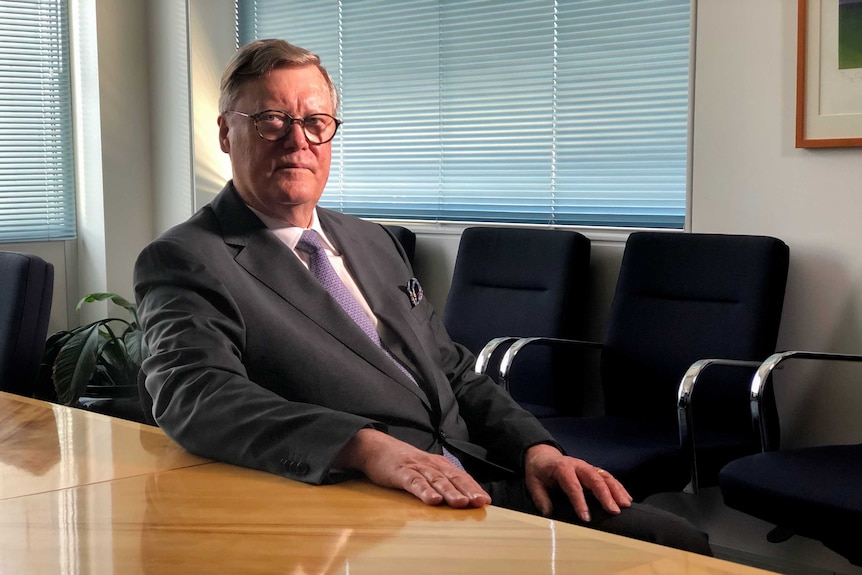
(274, 125)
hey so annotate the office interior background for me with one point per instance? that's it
(146, 86)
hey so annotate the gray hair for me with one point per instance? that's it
(259, 57)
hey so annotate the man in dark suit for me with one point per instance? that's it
(252, 361)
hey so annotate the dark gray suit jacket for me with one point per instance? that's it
(252, 362)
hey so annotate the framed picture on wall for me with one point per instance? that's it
(829, 74)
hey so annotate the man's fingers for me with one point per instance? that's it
(540, 496)
(420, 488)
(608, 490)
(477, 496)
(445, 484)
(619, 492)
(572, 487)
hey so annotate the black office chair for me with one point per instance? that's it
(813, 491)
(516, 282)
(26, 289)
(406, 237)
(679, 298)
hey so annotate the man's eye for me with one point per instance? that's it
(272, 118)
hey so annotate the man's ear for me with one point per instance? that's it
(223, 129)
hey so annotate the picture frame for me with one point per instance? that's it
(828, 97)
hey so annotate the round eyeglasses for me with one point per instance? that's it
(274, 125)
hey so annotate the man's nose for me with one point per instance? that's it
(295, 136)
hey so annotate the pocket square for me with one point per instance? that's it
(413, 289)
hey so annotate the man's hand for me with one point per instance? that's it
(547, 468)
(390, 462)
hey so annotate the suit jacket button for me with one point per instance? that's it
(301, 468)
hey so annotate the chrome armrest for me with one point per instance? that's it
(485, 355)
(509, 357)
(762, 377)
(683, 406)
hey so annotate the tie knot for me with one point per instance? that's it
(309, 242)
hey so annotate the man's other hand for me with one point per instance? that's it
(546, 468)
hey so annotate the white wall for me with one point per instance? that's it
(121, 210)
(213, 39)
(169, 94)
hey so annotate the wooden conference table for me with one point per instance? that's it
(83, 493)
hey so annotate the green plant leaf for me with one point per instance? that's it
(53, 345)
(117, 374)
(116, 299)
(44, 387)
(113, 352)
(94, 354)
(119, 358)
(76, 363)
(135, 346)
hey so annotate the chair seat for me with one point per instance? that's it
(646, 459)
(788, 488)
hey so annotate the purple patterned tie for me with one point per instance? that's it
(318, 264)
(320, 267)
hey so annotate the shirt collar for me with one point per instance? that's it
(290, 234)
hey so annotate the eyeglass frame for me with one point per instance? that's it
(291, 121)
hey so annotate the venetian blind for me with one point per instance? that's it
(37, 198)
(543, 112)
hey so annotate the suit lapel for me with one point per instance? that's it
(258, 249)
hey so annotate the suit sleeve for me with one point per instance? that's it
(202, 395)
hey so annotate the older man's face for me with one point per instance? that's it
(282, 179)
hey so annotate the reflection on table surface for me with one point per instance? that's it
(222, 519)
(44, 446)
(157, 510)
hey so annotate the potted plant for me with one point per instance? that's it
(101, 359)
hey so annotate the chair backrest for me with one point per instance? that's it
(406, 238)
(26, 289)
(681, 297)
(518, 282)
